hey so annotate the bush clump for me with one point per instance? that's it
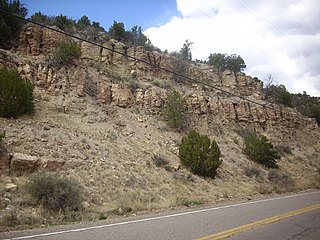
(66, 51)
(261, 150)
(200, 154)
(175, 111)
(281, 182)
(54, 192)
(16, 94)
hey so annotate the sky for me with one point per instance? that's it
(275, 37)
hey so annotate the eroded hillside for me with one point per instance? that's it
(99, 121)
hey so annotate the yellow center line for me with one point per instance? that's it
(249, 226)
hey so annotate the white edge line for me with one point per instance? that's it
(160, 217)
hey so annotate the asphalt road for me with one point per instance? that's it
(289, 217)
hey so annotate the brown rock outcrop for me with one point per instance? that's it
(121, 95)
(23, 163)
(51, 164)
(34, 40)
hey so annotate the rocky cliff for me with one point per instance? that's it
(106, 77)
(99, 121)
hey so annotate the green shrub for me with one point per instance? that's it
(16, 96)
(200, 154)
(175, 111)
(66, 51)
(261, 150)
(54, 192)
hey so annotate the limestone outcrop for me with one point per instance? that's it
(122, 59)
(34, 40)
(84, 80)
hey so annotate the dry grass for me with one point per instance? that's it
(116, 164)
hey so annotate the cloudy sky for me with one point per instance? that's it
(277, 37)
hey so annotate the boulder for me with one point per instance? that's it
(23, 163)
(51, 164)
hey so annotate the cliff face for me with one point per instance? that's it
(99, 121)
(94, 75)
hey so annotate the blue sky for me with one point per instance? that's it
(144, 13)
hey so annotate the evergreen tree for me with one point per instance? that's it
(185, 51)
(83, 22)
(15, 94)
(10, 26)
(261, 150)
(42, 18)
(218, 61)
(235, 63)
(175, 111)
(64, 23)
(136, 37)
(200, 154)
(118, 32)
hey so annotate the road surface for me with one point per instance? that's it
(290, 217)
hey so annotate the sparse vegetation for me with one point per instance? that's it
(66, 51)
(55, 193)
(133, 85)
(254, 171)
(220, 62)
(200, 154)
(281, 182)
(161, 83)
(305, 104)
(185, 201)
(108, 147)
(16, 94)
(261, 150)
(279, 95)
(244, 132)
(175, 111)
(284, 150)
(182, 61)
(159, 160)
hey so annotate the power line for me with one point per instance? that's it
(277, 30)
(302, 53)
(191, 80)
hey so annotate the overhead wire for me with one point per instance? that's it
(265, 53)
(191, 80)
(278, 31)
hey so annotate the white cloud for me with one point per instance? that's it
(275, 37)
